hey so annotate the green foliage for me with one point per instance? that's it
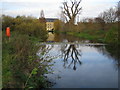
(34, 71)
(32, 29)
(19, 53)
(112, 36)
(25, 25)
(96, 36)
(58, 25)
(94, 32)
(7, 21)
(20, 63)
(16, 54)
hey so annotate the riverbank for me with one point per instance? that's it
(98, 36)
(20, 62)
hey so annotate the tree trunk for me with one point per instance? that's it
(72, 20)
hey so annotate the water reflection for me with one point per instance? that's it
(111, 52)
(51, 36)
(45, 58)
(108, 50)
(54, 37)
(70, 51)
(97, 69)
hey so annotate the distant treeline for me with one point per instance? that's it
(103, 28)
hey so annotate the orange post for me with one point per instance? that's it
(8, 33)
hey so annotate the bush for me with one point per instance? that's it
(34, 29)
(16, 61)
(26, 25)
(19, 53)
(21, 64)
(112, 35)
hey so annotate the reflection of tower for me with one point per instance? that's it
(42, 17)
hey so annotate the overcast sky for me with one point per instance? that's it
(90, 8)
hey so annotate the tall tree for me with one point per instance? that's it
(118, 11)
(109, 16)
(71, 10)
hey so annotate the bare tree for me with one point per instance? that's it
(71, 10)
(118, 11)
(63, 17)
(109, 16)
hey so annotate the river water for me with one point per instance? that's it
(80, 65)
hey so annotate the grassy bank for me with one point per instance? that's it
(22, 68)
(109, 36)
(97, 37)
(20, 63)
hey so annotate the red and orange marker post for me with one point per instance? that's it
(8, 33)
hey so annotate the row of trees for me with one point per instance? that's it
(72, 9)
(107, 17)
(105, 26)
(25, 25)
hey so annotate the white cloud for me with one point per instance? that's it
(91, 8)
(28, 8)
(42, 1)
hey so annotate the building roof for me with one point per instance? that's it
(50, 19)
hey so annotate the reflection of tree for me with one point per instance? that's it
(111, 51)
(71, 51)
(114, 53)
(44, 57)
(44, 50)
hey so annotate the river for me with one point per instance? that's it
(80, 65)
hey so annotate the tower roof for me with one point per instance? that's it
(50, 19)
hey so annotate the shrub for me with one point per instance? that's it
(112, 35)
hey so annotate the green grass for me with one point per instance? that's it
(107, 36)
(96, 36)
